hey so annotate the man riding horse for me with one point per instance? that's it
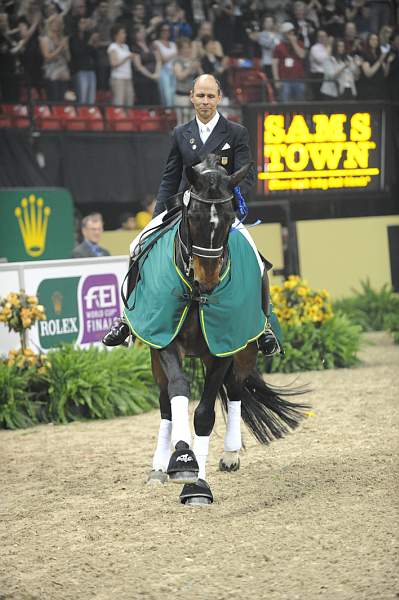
(209, 132)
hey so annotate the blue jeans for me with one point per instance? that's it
(85, 87)
(292, 90)
(167, 86)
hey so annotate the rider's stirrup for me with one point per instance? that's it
(268, 343)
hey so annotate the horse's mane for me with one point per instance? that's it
(212, 161)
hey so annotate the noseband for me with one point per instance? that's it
(190, 248)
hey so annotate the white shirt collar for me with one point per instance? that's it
(208, 127)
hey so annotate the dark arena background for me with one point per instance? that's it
(90, 93)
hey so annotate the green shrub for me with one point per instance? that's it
(371, 309)
(96, 384)
(78, 384)
(332, 344)
(18, 407)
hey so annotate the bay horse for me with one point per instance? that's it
(201, 255)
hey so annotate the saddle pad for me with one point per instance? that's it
(231, 316)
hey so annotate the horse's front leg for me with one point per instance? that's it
(183, 466)
(160, 460)
(204, 420)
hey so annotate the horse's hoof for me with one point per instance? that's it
(157, 478)
(196, 494)
(229, 462)
(183, 466)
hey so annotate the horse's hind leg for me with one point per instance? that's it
(230, 460)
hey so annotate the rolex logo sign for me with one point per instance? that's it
(33, 219)
(36, 224)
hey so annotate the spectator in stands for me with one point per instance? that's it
(167, 51)
(341, 71)
(83, 47)
(332, 19)
(9, 84)
(180, 27)
(393, 75)
(304, 28)
(313, 11)
(224, 22)
(267, 39)
(127, 222)
(288, 65)
(381, 13)
(353, 43)
(30, 57)
(215, 64)
(185, 69)
(78, 10)
(318, 54)
(55, 50)
(103, 25)
(205, 31)
(358, 11)
(147, 68)
(375, 67)
(143, 217)
(92, 230)
(120, 58)
(140, 18)
(385, 38)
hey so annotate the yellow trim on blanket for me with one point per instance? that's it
(139, 336)
(231, 351)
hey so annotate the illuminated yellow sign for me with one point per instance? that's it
(332, 153)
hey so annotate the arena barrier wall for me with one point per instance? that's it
(81, 298)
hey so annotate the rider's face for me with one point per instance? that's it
(205, 98)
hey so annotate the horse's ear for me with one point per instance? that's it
(192, 175)
(236, 177)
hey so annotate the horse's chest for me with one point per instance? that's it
(190, 337)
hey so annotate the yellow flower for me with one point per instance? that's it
(32, 300)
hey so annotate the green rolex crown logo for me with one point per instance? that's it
(33, 220)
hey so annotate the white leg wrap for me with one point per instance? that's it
(180, 425)
(248, 237)
(162, 453)
(232, 438)
(141, 235)
(201, 448)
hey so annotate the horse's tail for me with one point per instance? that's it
(263, 409)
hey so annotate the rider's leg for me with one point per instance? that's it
(120, 330)
(267, 342)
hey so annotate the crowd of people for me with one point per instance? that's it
(148, 53)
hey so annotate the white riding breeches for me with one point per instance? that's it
(158, 220)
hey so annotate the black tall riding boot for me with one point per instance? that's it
(120, 330)
(267, 342)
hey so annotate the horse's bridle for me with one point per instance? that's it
(189, 248)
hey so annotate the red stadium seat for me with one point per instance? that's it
(18, 113)
(92, 116)
(148, 120)
(119, 120)
(68, 117)
(44, 119)
(250, 85)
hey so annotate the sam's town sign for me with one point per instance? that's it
(318, 151)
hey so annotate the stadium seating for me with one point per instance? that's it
(44, 119)
(17, 114)
(92, 116)
(118, 120)
(250, 85)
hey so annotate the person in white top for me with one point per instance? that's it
(318, 54)
(120, 58)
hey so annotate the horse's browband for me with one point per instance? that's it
(214, 201)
